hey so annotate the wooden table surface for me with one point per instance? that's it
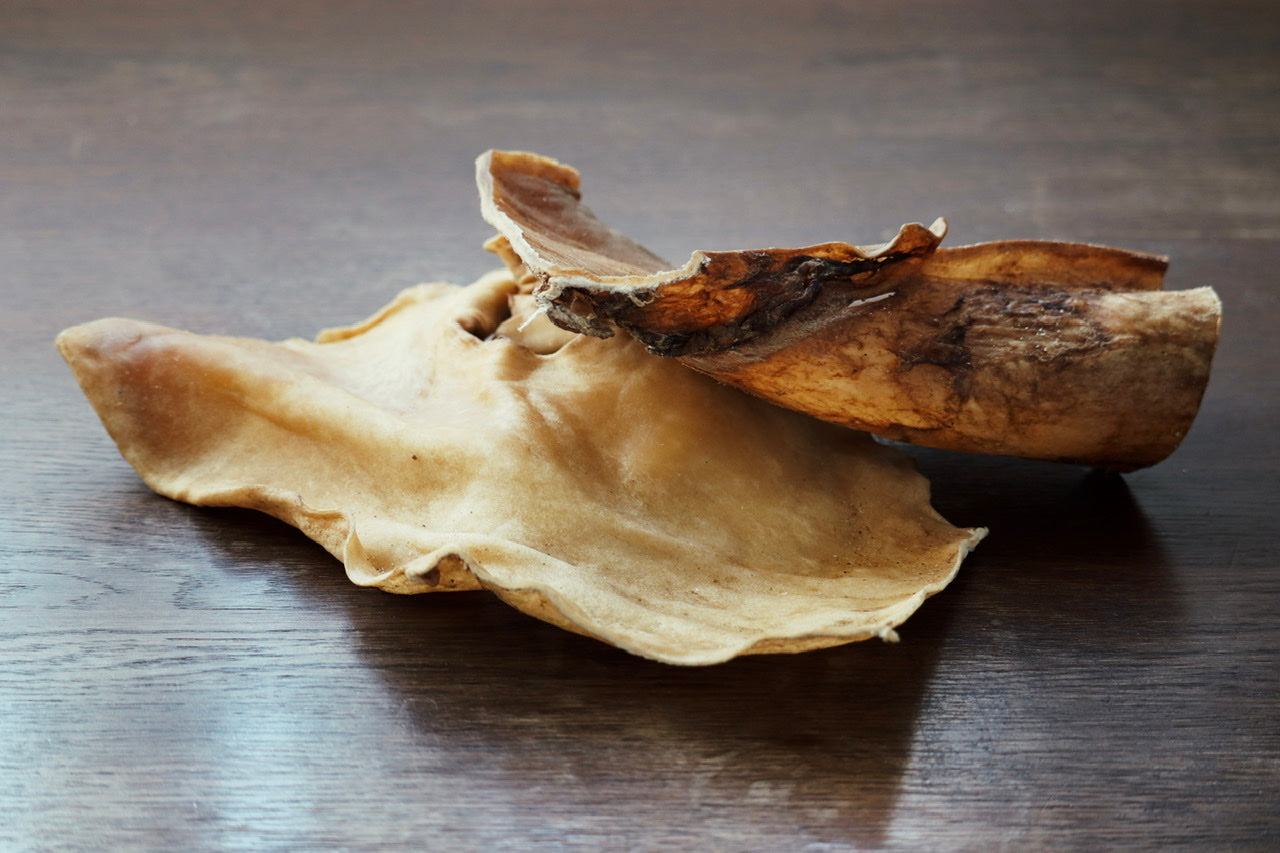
(1105, 671)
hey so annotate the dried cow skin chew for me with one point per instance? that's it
(1040, 349)
(458, 440)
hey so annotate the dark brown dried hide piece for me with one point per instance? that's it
(1040, 349)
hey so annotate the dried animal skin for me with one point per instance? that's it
(1040, 349)
(458, 440)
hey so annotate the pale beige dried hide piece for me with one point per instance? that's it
(1040, 349)
(458, 440)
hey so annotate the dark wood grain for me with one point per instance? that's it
(1103, 674)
